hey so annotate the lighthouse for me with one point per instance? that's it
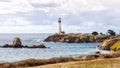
(59, 21)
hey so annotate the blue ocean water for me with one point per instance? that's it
(56, 49)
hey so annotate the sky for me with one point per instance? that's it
(41, 16)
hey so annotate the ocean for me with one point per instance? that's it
(56, 49)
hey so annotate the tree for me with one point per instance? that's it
(94, 33)
(101, 33)
(63, 32)
(111, 33)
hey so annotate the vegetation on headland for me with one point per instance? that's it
(74, 38)
(111, 44)
(116, 46)
(80, 37)
(111, 41)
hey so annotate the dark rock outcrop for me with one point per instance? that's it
(54, 38)
(97, 52)
(38, 46)
(6, 46)
(33, 46)
(17, 42)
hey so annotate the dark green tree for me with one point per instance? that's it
(111, 33)
(94, 33)
(101, 33)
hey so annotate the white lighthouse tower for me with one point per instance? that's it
(59, 21)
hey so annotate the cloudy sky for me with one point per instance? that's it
(40, 16)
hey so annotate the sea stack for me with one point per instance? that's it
(17, 42)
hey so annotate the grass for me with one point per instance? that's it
(102, 63)
(116, 46)
(33, 62)
(84, 61)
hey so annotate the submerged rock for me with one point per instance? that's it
(38, 46)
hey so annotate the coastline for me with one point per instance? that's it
(40, 62)
(34, 62)
(76, 38)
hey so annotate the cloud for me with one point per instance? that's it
(112, 6)
(42, 15)
(15, 22)
(15, 6)
(28, 29)
(57, 7)
(91, 24)
(67, 6)
(61, 6)
(5, 1)
(44, 5)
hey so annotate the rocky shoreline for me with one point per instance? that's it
(38, 62)
(107, 44)
(110, 44)
(33, 46)
(18, 44)
(75, 38)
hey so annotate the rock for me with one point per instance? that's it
(33, 46)
(90, 57)
(41, 46)
(38, 46)
(77, 40)
(107, 44)
(54, 38)
(63, 40)
(97, 52)
(74, 38)
(7, 46)
(17, 42)
(26, 46)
